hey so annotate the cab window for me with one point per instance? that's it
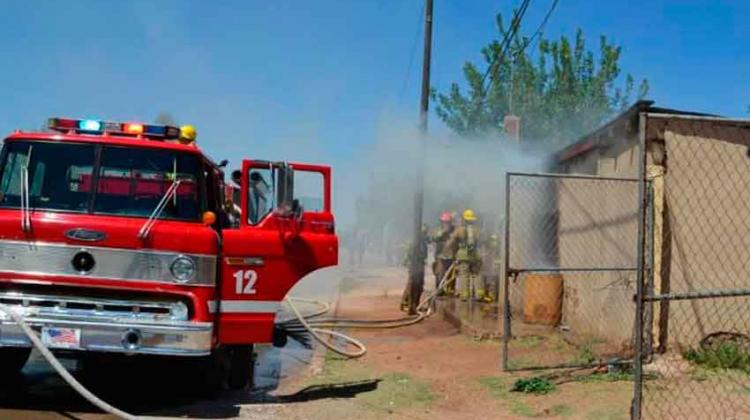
(261, 201)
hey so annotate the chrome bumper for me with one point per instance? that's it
(107, 325)
(179, 339)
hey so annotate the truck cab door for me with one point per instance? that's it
(282, 237)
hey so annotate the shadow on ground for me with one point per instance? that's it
(155, 387)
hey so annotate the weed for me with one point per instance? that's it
(398, 390)
(498, 387)
(533, 385)
(561, 410)
(606, 414)
(725, 355)
(394, 391)
(522, 409)
(518, 363)
(585, 355)
(529, 342)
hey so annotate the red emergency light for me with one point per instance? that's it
(133, 128)
(96, 127)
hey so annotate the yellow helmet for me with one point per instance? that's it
(469, 215)
(188, 134)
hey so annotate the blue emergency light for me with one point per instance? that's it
(89, 125)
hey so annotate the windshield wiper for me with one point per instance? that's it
(146, 228)
(25, 207)
(25, 201)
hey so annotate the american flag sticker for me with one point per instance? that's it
(61, 338)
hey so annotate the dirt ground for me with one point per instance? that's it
(425, 371)
(430, 370)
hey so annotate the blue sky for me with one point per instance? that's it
(317, 80)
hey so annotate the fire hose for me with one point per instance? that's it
(317, 328)
(323, 327)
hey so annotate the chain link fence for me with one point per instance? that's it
(652, 273)
(571, 270)
(696, 352)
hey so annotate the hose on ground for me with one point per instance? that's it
(320, 327)
(60, 369)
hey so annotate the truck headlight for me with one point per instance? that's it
(183, 269)
(179, 311)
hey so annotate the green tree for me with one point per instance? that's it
(562, 93)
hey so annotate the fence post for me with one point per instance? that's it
(638, 361)
(506, 275)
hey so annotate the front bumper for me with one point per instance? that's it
(177, 339)
(105, 325)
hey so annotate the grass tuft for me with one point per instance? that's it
(725, 355)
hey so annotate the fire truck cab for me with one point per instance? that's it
(114, 238)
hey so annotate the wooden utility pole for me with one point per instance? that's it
(417, 260)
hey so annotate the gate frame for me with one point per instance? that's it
(508, 271)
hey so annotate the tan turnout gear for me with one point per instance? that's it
(490, 271)
(466, 239)
(444, 255)
(414, 286)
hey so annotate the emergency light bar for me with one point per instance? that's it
(164, 132)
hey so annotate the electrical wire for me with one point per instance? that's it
(540, 28)
(515, 24)
(508, 39)
(412, 55)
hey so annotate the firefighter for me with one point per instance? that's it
(466, 239)
(415, 285)
(490, 270)
(444, 254)
(188, 134)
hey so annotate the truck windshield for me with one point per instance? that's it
(125, 181)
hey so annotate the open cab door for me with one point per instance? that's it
(282, 236)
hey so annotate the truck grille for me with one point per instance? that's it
(52, 306)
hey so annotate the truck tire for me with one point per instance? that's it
(241, 366)
(214, 370)
(12, 359)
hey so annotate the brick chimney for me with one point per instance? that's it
(512, 126)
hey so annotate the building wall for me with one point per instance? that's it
(598, 229)
(707, 211)
(700, 173)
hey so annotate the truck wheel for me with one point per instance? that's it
(12, 359)
(214, 369)
(241, 366)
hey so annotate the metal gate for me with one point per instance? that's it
(572, 265)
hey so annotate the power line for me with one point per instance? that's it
(413, 54)
(507, 40)
(540, 28)
(505, 44)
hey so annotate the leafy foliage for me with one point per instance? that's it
(562, 93)
(533, 385)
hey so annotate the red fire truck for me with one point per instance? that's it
(115, 238)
